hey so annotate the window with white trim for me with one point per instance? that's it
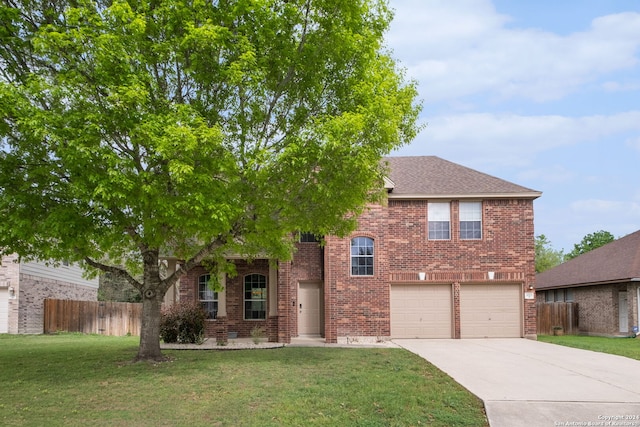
(208, 298)
(255, 297)
(362, 256)
(470, 220)
(439, 218)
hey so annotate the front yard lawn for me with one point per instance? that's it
(79, 380)
(628, 347)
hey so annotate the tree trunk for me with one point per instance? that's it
(150, 329)
(152, 295)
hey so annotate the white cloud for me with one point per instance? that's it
(553, 174)
(618, 217)
(628, 86)
(633, 143)
(510, 139)
(621, 209)
(462, 48)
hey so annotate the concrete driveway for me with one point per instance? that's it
(535, 384)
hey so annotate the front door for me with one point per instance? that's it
(309, 308)
(623, 310)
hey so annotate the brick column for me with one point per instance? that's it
(281, 322)
(530, 315)
(221, 331)
(455, 290)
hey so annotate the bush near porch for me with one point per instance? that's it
(78, 380)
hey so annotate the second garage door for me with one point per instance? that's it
(421, 311)
(490, 311)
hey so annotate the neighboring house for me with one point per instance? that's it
(449, 255)
(25, 285)
(605, 283)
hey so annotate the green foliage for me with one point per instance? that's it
(195, 129)
(113, 288)
(546, 256)
(183, 323)
(257, 334)
(590, 242)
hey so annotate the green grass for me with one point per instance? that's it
(628, 347)
(79, 380)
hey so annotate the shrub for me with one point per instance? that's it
(183, 323)
(257, 333)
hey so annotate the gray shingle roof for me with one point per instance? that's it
(431, 176)
(618, 261)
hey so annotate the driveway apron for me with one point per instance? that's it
(530, 383)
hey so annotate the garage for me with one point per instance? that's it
(4, 310)
(490, 311)
(421, 311)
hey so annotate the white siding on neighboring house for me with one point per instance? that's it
(70, 274)
(4, 310)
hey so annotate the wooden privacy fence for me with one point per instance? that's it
(92, 317)
(564, 314)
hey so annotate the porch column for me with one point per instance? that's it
(171, 296)
(273, 289)
(222, 295)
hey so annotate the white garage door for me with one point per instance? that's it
(421, 311)
(490, 311)
(4, 311)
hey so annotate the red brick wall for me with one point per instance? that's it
(234, 296)
(359, 306)
(307, 265)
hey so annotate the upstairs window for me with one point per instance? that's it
(309, 238)
(361, 256)
(255, 297)
(470, 220)
(208, 298)
(439, 217)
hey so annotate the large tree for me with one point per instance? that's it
(133, 129)
(546, 256)
(590, 242)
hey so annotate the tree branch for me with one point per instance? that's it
(116, 271)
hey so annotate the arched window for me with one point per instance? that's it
(208, 298)
(255, 297)
(361, 256)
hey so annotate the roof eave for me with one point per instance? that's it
(583, 284)
(524, 195)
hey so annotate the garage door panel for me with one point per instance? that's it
(490, 311)
(421, 311)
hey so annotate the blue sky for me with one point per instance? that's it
(545, 94)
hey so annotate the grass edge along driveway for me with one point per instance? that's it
(627, 347)
(74, 380)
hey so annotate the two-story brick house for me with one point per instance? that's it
(449, 255)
